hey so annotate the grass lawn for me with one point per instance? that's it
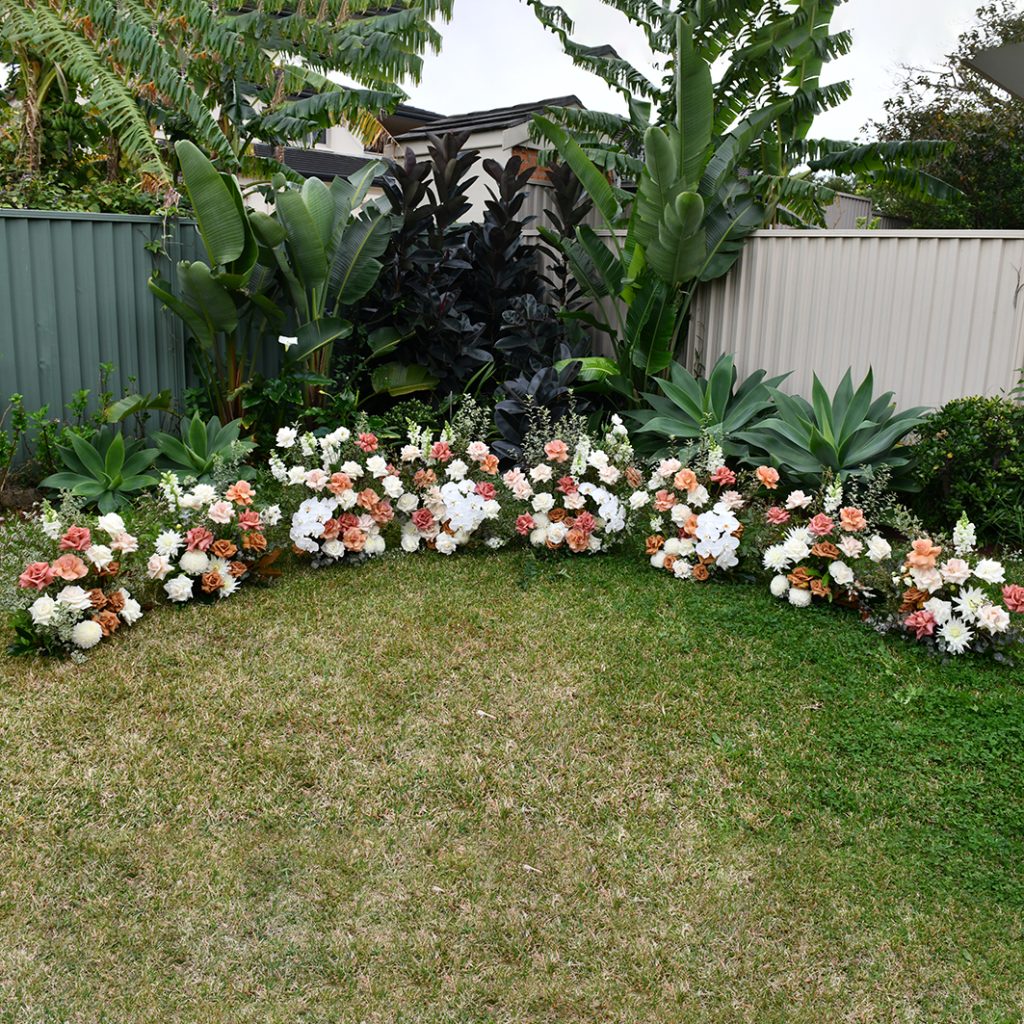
(453, 790)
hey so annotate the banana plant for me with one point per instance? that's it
(850, 434)
(690, 409)
(227, 304)
(326, 242)
(108, 471)
(685, 225)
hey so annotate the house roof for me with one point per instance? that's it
(488, 120)
(316, 163)
(1003, 66)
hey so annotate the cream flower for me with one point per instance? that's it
(86, 634)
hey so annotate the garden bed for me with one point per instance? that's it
(496, 789)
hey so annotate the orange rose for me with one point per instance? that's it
(852, 520)
(634, 477)
(923, 554)
(489, 464)
(685, 480)
(69, 567)
(339, 482)
(115, 601)
(254, 542)
(98, 598)
(211, 582)
(655, 543)
(107, 621)
(818, 589)
(577, 540)
(240, 493)
(223, 549)
(914, 600)
(800, 578)
(238, 569)
(768, 475)
(558, 515)
(367, 499)
(669, 563)
(689, 527)
(823, 549)
(700, 572)
(354, 539)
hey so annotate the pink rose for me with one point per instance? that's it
(339, 482)
(423, 520)
(768, 475)
(1013, 596)
(441, 450)
(567, 485)
(732, 500)
(557, 451)
(821, 525)
(852, 520)
(486, 491)
(585, 522)
(524, 525)
(77, 538)
(776, 516)
(198, 539)
(723, 476)
(38, 575)
(368, 443)
(685, 480)
(955, 571)
(921, 624)
(249, 520)
(664, 500)
(221, 512)
(478, 451)
(70, 567)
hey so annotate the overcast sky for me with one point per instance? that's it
(496, 54)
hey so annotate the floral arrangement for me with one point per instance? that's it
(347, 490)
(695, 521)
(451, 494)
(217, 543)
(78, 598)
(959, 603)
(577, 496)
(823, 550)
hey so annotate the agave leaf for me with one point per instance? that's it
(89, 457)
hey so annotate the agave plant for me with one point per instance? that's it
(692, 408)
(202, 447)
(107, 471)
(851, 433)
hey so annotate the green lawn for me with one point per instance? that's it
(453, 790)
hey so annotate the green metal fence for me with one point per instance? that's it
(73, 295)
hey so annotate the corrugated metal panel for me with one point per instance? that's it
(73, 294)
(937, 314)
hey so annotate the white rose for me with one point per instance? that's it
(994, 619)
(347, 499)
(408, 503)
(86, 634)
(557, 532)
(991, 571)
(673, 546)
(334, 549)
(111, 524)
(799, 598)
(658, 560)
(179, 589)
(75, 598)
(286, 437)
(841, 573)
(458, 469)
(377, 466)
(445, 545)
(195, 563)
(779, 586)
(543, 503)
(297, 475)
(392, 487)
(204, 494)
(879, 549)
(638, 499)
(540, 474)
(941, 610)
(158, 567)
(375, 545)
(352, 470)
(100, 555)
(132, 610)
(43, 610)
(410, 542)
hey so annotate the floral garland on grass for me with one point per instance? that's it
(352, 489)
(80, 599)
(577, 498)
(218, 542)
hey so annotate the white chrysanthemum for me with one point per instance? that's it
(194, 563)
(879, 549)
(111, 524)
(970, 601)
(991, 571)
(539, 536)
(86, 634)
(169, 543)
(75, 598)
(779, 586)
(228, 585)
(775, 558)
(957, 636)
(799, 598)
(44, 610)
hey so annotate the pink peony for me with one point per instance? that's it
(769, 476)
(1013, 597)
(38, 575)
(70, 568)
(723, 476)
(198, 539)
(368, 443)
(921, 624)
(776, 516)
(557, 451)
(442, 451)
(524, 525)
(821, 525)
(77, 538)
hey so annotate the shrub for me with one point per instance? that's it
(971, 458)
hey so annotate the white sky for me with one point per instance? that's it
(496, 54)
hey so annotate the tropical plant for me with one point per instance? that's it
(546, 393)
(106, 471)
(224, 75)
(202, 448)
(765, 52)
(693, 410)
(849, 434)
(227, 304)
